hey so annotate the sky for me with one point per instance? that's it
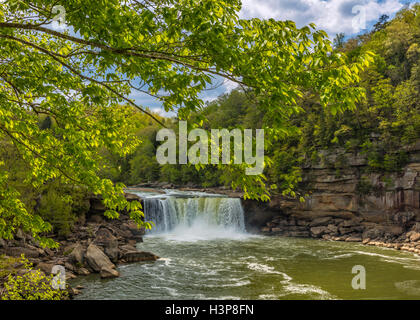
(350, 17)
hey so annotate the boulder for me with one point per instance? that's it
(18, 251)
(107, 272)
(20, 235)
(97, 259)
(76, 255)
(318, 231)
(132, 197)
(82, 272)
(350, 223)
(134, 229)
(108, 242)
(136, 256)
(322, 221)
(373, 233)
(332, 228)
(402, 218)
(45, 267)
(299, 234)
(70, 275)
(127, 248)
(354, 238)
(415, 237)
(416, 227)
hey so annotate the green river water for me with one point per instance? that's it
(206, 253)
(254, 267)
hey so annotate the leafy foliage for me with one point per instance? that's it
(32, 285)
(171, 50)
(377, 128)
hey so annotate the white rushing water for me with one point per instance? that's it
(191, 216)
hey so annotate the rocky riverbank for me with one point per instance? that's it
(404, 236)
(348, 202)
(96, 245)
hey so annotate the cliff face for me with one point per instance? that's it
(348, 202)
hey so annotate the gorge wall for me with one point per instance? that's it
(350, 203)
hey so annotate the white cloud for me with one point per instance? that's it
(229, 85)
(333, 16)
(162, 112)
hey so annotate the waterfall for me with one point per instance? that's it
(194, 214)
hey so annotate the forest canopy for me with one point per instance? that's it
(64, 96)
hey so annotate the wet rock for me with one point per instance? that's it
(323, 221)
(77, 254)
(137, 233)
(70, 267)
(317, 232)
(416, 227)
(107, 272)
(332, 229)
(373, 233)
(137, 256)
(327, 237)
(132, 197)
(366, 241)
(70, 275)
(354, 239)
(277, 230)
(127, 248)
(97, 259)
(108, 242)
(415, 237)
(299, 234)
(82, 271)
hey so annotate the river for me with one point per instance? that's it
(206, 253)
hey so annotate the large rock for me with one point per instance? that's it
(18, 251)
(354, 239)
(137, 233)
(323, 221)
(136, 256)
(108, 242)
(403, 218)
(82, 272)
(76, 255)
(45, 267)
(127, 248)
(97, 259)
(319, 231)
(416, 227)
(332, 229)
(109, 273)
(373, 233)
(415, 236)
